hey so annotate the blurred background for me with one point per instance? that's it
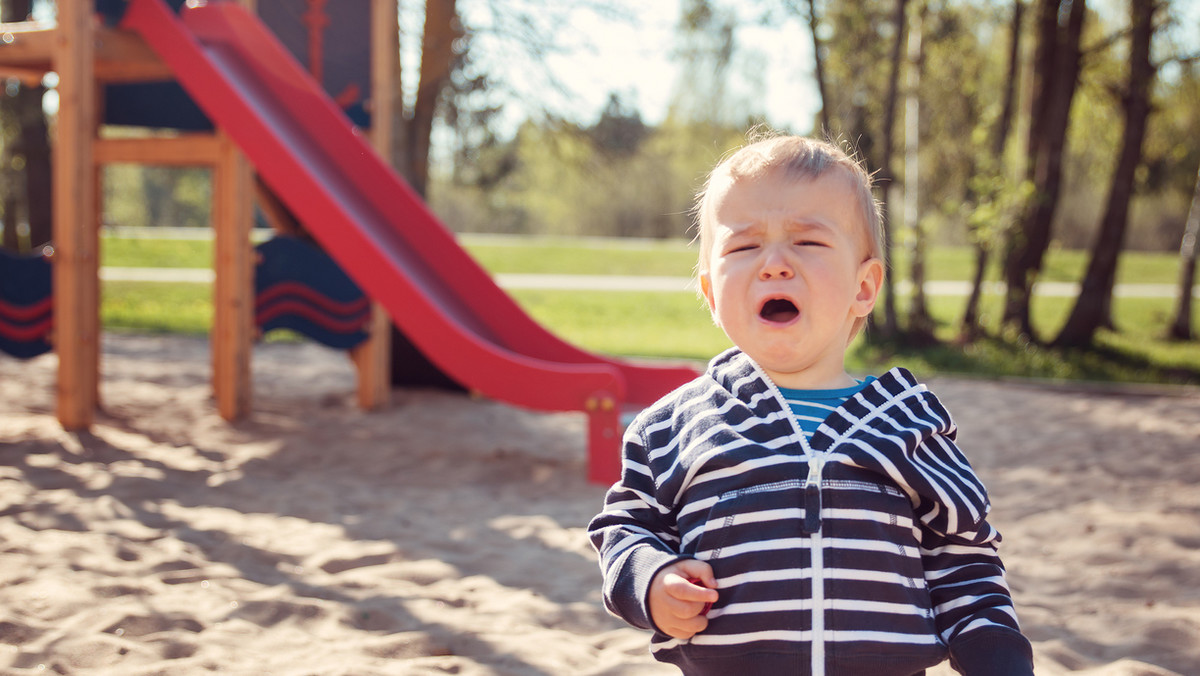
(1014, 142)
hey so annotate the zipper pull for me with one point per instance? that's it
(812, 495)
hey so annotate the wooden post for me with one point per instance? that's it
(373, 358)
(76, 220)
(233, 291)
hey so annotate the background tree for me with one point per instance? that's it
(25, 155)
(706, 45)
(1092, 307)
(438, 40)
(1055, 70)
(812, 19)
(920, 322)
(861, 74)
(1181, 326)
(987, 183)
(887, 175)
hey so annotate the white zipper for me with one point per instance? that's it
(815, 464)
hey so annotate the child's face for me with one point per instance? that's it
(789, 273)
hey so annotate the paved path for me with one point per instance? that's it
(651, 283)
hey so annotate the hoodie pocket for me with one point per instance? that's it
(755, 542)
(748, 517)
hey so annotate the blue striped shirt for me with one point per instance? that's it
(812, 407)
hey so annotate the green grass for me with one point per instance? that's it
(673, 325)
(1136, 352)
(672, 258)
(157, 307)
(120, 252)
(676, 325)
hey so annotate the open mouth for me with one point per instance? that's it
(779, 311)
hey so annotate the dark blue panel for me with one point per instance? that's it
(25, 304)
(299, 287)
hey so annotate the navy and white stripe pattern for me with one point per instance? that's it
(864, 549)
(812, 407)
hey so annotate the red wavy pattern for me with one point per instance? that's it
(276, 291)
(310, 313)
(24, 313)
(26, 334)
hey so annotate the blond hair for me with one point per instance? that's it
(799, 158)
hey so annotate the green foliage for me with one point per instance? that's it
(569, 180)
(142, 196)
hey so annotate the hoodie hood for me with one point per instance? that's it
(894, 427)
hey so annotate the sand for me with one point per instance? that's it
(445, 535)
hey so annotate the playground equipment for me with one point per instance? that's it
(271, 114)
(26, 308)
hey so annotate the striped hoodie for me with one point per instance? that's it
(864, 550)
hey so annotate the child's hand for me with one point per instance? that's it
(677, 605)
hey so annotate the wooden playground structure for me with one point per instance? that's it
(87, 55)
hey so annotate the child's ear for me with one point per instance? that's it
(870, 281)
(707, 290)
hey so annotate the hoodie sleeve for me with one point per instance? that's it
(634, 536)
(914, 442)
(973, 608)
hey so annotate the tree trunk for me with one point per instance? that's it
(920, 323)
(409, 366)
(1091, 307)
(890, 326)
(1056, 73)
(970, 328)
(819, 66)
(1181, 328)
(442, 28)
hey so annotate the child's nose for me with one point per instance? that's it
(776, 266)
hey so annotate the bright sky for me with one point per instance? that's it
(633, 59)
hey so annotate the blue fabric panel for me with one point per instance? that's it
(25, 282)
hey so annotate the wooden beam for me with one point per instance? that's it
(277, 215)
(76, 221)
(120, 56)
(184, 150)
(385, 63)
(123, 56)
(28, 76)
(233, 291)
(29, 43)
(373, 358)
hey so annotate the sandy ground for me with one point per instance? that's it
(446, 535)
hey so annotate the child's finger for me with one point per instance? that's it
(689, 589)
(685, 628)
(699, 570)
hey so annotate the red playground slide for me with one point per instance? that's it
(381, 233)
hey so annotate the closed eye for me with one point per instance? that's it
(811, 242)
(742, 247)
